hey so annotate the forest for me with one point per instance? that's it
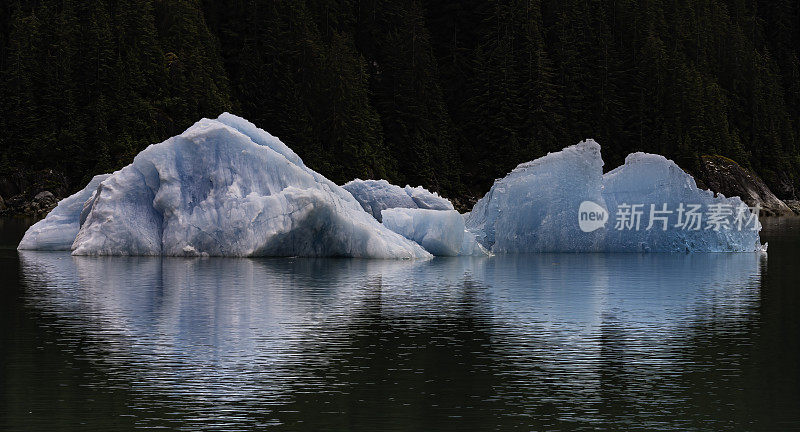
(445, 94)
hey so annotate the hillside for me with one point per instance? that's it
(446, 94)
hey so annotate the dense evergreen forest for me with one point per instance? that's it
(446, 94)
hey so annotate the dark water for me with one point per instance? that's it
(542, 342)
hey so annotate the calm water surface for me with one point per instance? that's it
(539, 342)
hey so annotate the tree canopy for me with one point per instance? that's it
(446, 94)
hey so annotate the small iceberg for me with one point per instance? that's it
(417, 214)
(440, 232)
(59, 229)
(378, 195)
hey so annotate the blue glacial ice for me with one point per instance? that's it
(440, 232)
(222, 188)
(667, 193)
(58, 230)
(426, 199)
(377, 195)
(227, 188)
(536, 207)
(417, 214)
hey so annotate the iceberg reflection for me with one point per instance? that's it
(565, 337)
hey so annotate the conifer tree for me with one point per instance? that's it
(447, 94)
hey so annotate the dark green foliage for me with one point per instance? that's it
(405, 86)
(305, 85)
(448, 94)
(87, 85)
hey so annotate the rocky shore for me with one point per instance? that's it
(33, 194)
(725, 176)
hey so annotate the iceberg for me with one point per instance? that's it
(222, 188)
(58, 230)
(440, 232)
(377, 195)
(471, 247)
(426, 199)
(666, 197)
(417, 214)
(534, 208)
(563, 202)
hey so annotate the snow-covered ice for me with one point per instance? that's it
(58, 230)
(440, 232)
(377, 195)
(225, 188)
(535, 208)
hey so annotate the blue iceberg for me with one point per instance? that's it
(227, 188)
(440, 232)
(221, 188)
(378, 195)
(58, 230)
(646, 205)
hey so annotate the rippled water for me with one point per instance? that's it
(537, 342)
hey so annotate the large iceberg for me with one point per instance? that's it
(440, 232)
(221, 188)
(562, 202)
(378, 195)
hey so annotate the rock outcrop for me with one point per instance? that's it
(794, 205)
(31, 194)
(725, 176)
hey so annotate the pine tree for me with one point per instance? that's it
(196, 82)
(447, 94)
(404, 80)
